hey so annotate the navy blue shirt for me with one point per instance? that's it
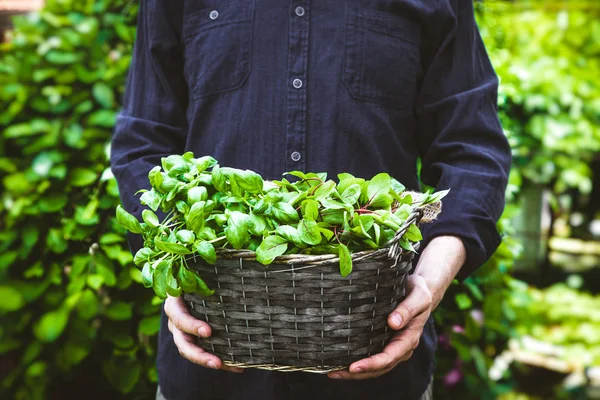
(363, 86)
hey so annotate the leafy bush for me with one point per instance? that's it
(73, 312)
(550, 93)
(549, 105)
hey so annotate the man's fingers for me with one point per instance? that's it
(417, 301)
(179, 315)
(190, 351)
(395, 352)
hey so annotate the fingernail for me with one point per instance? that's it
(357, 370)
(336, 376)
(202, 332)
(396, 319)
(211, 364)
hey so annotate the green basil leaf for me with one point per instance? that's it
(324, 190)
(187, 280)
(207, 233)
(196, 194)
(379, 185)
(377, 231)
(397, 186)
(128, 221)
(175, 165)
(271, 247)
(310, 209)
(236, 230)
(345, 260)
(155, 177)
(257, 225)
(290, 234)
(150, 218)
(147, 275)
(309, 232)
(351, 194)
(151, 199)
(203, 289)
(168, 184)
(381, 201)
(174, 248)
(219, 179)
(333, 217)
(182, 207)
(195, 218)
(413, 234)
(142, 256)
(406, 245)
(204, 163)
(206, 250)
(328, 233)
(159, 278)
(185, 236)
(284, 212)
(173, 288)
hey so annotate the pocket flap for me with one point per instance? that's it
(196, 20)
(386, 23)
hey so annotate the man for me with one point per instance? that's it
(363, 86)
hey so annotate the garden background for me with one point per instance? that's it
(76, 321)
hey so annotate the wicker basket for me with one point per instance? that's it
(299, 313)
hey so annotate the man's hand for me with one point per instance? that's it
(185, 329)
(437, 267)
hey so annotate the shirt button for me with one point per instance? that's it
(214, 14)
(299, 11)
(296, 156)
(297, 83)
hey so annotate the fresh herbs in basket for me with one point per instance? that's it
(291, 276)
(213, 210)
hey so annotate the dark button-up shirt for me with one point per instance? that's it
(363, 86)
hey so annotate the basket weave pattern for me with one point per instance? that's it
(299, 313)
(295, 317)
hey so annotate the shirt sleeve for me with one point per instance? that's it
(152, 123)
(461, 142)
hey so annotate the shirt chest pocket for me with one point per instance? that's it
(218, 47)
(382, 58)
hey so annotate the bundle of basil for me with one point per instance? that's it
(210, 208)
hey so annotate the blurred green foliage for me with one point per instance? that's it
(74, 315)
(548, 62)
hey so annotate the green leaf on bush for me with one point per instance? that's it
(82, 177)
(103, 118)
(51, 325)
(463, 301)
(10, 299)
(119, 311)
(149, 325)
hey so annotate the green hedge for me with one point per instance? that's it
(74, 315)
